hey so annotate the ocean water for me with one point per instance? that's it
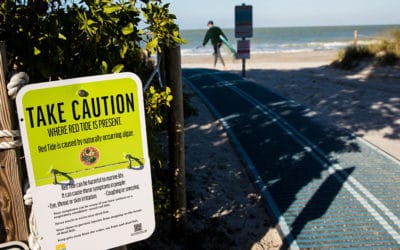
(290, 39)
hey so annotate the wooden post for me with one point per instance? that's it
(176, 131)
(355, 38)
(11, 195)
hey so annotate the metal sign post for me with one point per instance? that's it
(243, 29)
(243, 52)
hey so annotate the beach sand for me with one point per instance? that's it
(225, 210)
(296, 60)
(223, 203)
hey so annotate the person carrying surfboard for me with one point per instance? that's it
(214, 34)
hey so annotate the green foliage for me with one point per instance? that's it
(352, 55)
(389, 48)
(390, 42)
(91, 37)
(156, 101)
(162, 29)
(72, 38)
(386, 52)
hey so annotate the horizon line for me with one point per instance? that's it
(301, 26)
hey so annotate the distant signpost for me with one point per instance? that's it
(243, 21)
(243, 49)
(243, 29)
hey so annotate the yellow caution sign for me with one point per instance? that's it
(87, 159)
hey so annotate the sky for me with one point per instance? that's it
(194, 14)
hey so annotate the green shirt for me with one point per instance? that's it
(213, 33)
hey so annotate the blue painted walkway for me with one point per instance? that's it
(324, 187)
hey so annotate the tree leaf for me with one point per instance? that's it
(36, 51)
(128, 29)
(110, 9)
(61, 36)
(104, 67)
(152, 44)
(123, 51)
(90, 22)
(43, 38)
(118, 68)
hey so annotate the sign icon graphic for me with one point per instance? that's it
(89, 156)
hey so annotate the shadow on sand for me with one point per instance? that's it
(223, 211)
(364, 99)
(291, 170)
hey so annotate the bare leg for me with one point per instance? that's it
(220, 58)
(219, 55)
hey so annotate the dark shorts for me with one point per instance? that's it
(216, 47)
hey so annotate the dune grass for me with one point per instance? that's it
(386, 52)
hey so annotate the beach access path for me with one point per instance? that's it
(364, 100)
(322, 184)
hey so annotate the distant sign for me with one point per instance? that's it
(243, 49)
(87, 159)
(243, 21)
